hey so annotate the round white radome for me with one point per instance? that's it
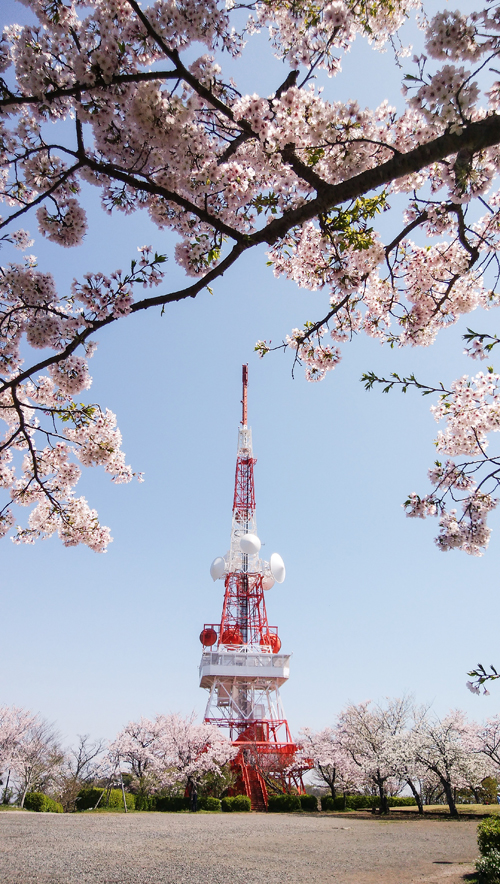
(268, 581)
(250, 544)
(217, 568)
(277, 566)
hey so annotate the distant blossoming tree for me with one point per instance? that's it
(169, 751)
(333, 766)
(452, 750)
(108, 94)
(367, 734)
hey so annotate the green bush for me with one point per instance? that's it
(308, 802)
(402, 801)
(283, 803)
(488, 867)
(172, 803)
(235, 804)
(209, 803)
(88, 798)
(488, 834)
(42, 803)
(145, 802)
(330, 803)
(360, 802)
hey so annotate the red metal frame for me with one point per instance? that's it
(244, 623)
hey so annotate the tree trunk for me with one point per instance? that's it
(384, 804)
(417, 796)
(448, 791)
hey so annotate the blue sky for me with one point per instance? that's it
(370, 607)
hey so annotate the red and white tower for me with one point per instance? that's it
(242, 666)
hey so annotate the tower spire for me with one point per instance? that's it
(244, 419)
(242, 666)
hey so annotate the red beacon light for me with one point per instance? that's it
(231, 636)
(208, 637)
(270, 640)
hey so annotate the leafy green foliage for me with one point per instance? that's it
(360, 802)
(172, 803)
(308, 802)
(488, 867)
(236, 804)
(283, 803)
(208, 802)
(42, 803)
(348, 227)
(488, 834)
(88, 798)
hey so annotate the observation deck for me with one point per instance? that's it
(243, 665)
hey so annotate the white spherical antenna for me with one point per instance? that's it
(267, 581)
(217, 568)
(250, 544)
(277, 566)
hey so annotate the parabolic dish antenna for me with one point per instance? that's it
(217, 568)
(277, 566)
(267, 581)
(250, 544)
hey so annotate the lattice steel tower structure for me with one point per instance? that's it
(241, 664)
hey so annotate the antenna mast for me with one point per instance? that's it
(242, 665)
(244, 372)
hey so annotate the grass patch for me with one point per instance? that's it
(471, 809)
(17, 809)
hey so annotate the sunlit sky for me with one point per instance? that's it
(370, 607)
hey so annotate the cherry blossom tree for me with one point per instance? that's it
(37, 760)
(332, 764)
(80, 767)
(14, 722)
(452, 750)
(367, 734)
(107, 94)
(169, 752)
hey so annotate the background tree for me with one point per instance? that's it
(451, 749)
(109, 95)
(80, 767)
(367, 734)
(38, 759)
(333, 766)
(166, 753)
(14, 722)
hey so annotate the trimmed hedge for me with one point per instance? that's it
(236, 804)
(172, 803)
(308, 802)
(88, 798)
(284, 803)
(359, 802)
(209, 803)
(145, 802)
(488, 834)
(42, 803)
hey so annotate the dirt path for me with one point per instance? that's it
(226, 849)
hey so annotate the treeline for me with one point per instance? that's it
(373, 755)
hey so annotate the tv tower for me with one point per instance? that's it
(242, 666)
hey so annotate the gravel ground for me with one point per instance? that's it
(42, 848)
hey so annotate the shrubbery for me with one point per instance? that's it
(171, 803)
(236, 803)
(42, 803)
(209, 803)
(88, 798)
(283, 803)
(488, 839)
(308, 802)
(360, 802)
(488, 834)
(145, 802)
